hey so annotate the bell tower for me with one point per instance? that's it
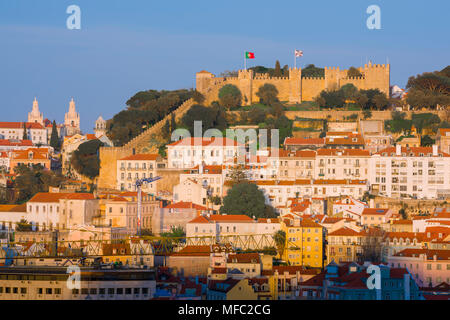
(100, 127)
(35, 115)
(72, 120)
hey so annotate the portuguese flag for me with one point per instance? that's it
(249, 55)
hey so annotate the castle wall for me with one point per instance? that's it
(311, 88)
(294, 89)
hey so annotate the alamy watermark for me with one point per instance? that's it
(374, 20)
(74, 20)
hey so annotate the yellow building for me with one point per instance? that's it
(231, 289)
(304, 242)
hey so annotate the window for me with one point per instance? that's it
(48, 291)
(110, 290)
(144, 290)
(57, 290)
(127, 290)
(84, 291)
(101, 291)
(119, 291)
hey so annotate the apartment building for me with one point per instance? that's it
(304, 242)
(176, 215)
(443, 140)
(342, 164)
(61, 210)
(278, 192)
(428, 267)
(30, 157)
(120, 210)
(415, 172)
(14, 131)
(210, 178)
(190, 152)
(134, 167)
(344, 140)
(50, 283)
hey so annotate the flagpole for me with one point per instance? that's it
(245, 62)
(295, 61)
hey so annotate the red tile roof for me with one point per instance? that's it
(55, 197)
(19, 125)
(304, 141)
(374, 211)
(193, 251)
(15, 143)
(411, 151)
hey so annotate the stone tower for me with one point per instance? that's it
(72, 120)
(100, 127)
(295, 85)
(35, 115)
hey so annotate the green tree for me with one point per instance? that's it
(246, 198)
(311, 71)
(230, 96)
(145, 109)
(175, 232)
(349, 91)
(54, 138)
(367, 114)
(198, 97)
(23, 225)
(166, 130)
(237, 175)
(85, 160)
(280, 241)
(380, 101)
(426, 141)
(25, 135)
(353, 72)
(34, 179)
(268, 94)
(277, 71)
(211, 117)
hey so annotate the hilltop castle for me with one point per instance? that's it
(294, 89)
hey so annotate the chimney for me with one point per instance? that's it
(435, 150)
(398, 150)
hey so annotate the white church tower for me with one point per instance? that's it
(72, 120)
(100, 127)
(35, 115)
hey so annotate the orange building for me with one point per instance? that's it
(29, 157)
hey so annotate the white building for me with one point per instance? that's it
(61, 210)
(14, 131)
(191, 152)
(349, 207)
(342, 164)
(413, 172)
(278, 192)
(134, 167)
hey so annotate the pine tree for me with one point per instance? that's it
(277, 71)
(173, 123)
(166, 130)
(25, 136)
(54, 139)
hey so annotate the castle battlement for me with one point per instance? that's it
(313, 78)
(294, 88)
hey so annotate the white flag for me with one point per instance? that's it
(298, 53)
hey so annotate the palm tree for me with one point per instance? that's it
(280, 241)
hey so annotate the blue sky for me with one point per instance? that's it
(127, 46)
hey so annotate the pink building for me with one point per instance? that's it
(428, 267)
